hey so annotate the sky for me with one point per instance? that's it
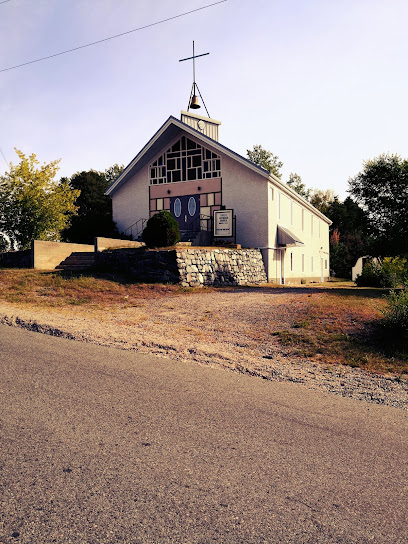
(322, 84)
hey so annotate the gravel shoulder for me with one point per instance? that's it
(230, 330)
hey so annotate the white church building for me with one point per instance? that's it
(184, 169)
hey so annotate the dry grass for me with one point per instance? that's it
(55, 289)
(335, 323)
(343, 326)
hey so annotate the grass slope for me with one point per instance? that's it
(330, 325)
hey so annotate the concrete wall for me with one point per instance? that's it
(109, 243)
(48, 255)
(357, 269)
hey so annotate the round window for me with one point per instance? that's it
(177, 207)
(192, 205)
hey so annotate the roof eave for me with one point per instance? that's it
(292, 193)
(245, 162)
(172, 120)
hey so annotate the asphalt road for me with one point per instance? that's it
(100, 445)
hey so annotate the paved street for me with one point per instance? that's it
(100, 445)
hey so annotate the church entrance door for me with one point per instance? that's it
(186, 209)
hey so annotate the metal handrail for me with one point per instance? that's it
(138, 225)
(192, 227)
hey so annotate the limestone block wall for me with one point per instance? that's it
(205, 266)
(190, 266)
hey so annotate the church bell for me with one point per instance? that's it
(194, 105)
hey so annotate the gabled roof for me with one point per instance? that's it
(174, 127)
(166, 134)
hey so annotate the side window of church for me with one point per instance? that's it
(185, 161)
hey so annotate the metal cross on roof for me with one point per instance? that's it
(193, 102)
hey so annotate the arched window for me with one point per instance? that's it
(177, 207)
(192, 205)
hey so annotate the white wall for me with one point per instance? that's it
(310, 261)
(247, 193)
(131, 202)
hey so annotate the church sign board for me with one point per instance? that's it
(223, 223)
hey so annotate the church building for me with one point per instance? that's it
(215, 193)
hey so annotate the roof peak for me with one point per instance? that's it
(205, 125)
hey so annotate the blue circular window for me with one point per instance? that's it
(192, 205)
(177, 207)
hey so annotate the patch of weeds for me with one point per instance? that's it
(295, 339)
(78, 301)
(302, 325)
(356, 361)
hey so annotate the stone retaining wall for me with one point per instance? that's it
(191, 267)
(208, 266)
(16, 259)
(140, 264)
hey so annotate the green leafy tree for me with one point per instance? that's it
(348, 217)
(349, 237)
(4, 243)
(94, 216)
(267, 160)
(112, 173)
(321, 199)
(33, 205)
(295, 182)
(381, 189)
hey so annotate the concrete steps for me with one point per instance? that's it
(78, 261)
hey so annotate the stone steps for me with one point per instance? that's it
(78, 261)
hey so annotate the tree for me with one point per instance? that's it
(381, 189)
(322, 199)
(347, 217)
(295, 182)
(33, 205)
(349, 237)
(94, 216)
(112, 173)
(267, 160)
(4, 243)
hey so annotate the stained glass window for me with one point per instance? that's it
(185, 160)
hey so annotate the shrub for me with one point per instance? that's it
(390, 272)
(161, 230)
(396, 317)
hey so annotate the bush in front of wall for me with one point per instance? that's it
(161, 230)
(389, 272)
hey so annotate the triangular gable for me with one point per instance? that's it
(166, 134)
